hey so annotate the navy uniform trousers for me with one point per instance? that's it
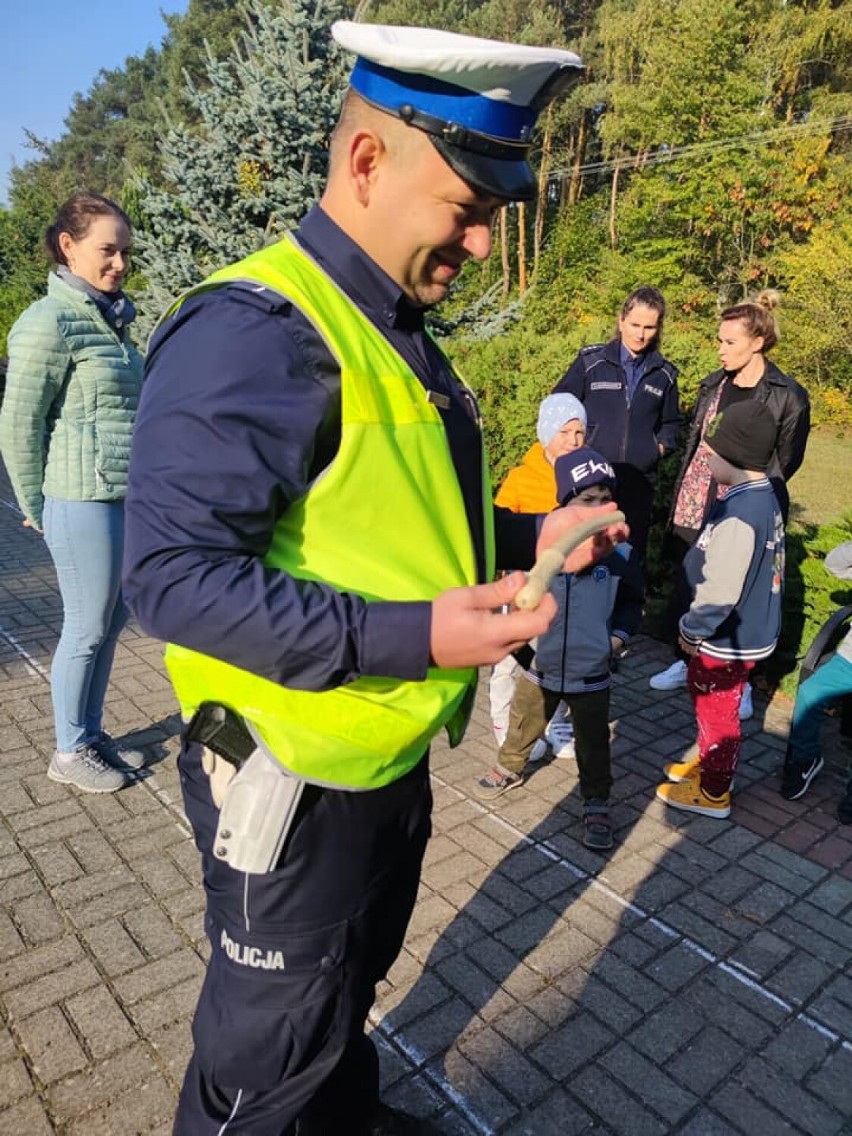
(296, 956)
(634, 492)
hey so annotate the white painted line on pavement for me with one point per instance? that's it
(178, 815)
(36, 669)
(732, 969)
(33, 665)
(418, 1060)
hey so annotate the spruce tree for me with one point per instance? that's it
(254, 160)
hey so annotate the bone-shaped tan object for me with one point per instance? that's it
(551, 560)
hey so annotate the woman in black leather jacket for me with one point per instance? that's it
(748, 331)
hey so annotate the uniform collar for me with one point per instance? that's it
(651, 358)
(627, 360)
(363, 281)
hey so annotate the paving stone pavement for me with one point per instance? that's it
(695, 980)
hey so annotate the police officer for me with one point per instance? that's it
(310, 529)
(631, 398)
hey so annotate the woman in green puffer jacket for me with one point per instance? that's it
(72, 390)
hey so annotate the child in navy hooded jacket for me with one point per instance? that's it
(599, 609)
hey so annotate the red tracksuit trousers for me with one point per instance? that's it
(716, 688)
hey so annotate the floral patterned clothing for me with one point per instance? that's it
(691, 505)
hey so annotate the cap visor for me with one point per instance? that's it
(497, 177)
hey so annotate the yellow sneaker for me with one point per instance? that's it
(682, 770)
(686, 770)
(689, 797)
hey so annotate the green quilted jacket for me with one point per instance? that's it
(72, 389)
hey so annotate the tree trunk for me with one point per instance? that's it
(504, 249)
(565, 182)
(613, 235)
(543, 189)
(575, 189)
(522, 247)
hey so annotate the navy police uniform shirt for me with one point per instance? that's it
(240, 410)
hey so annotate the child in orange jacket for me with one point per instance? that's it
(531, 488)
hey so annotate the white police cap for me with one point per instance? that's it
(477, 99)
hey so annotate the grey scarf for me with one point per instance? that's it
(116, 308)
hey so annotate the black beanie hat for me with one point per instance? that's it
(580, 469)
(744, 434)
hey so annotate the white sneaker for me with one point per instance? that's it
(86, 769)
(560, 735)
(671, 678)
(746, 703)
(538, 752)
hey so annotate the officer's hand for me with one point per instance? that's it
(469, 629)
(560, 521)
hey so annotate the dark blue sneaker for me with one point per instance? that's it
(796, 778)
(597, 825)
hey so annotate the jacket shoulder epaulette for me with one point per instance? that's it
(592, 355)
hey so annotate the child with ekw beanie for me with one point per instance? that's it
(599, 609)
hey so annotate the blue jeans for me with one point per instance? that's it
(832, 681)
(86, 542)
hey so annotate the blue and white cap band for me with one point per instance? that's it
(477, 99)
(385, 87)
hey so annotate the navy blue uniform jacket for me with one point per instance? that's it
(240, 410)
(575, 652)
(626, 431)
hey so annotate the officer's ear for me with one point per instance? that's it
(366, 152)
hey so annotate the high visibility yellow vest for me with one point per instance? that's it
(386, 520)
